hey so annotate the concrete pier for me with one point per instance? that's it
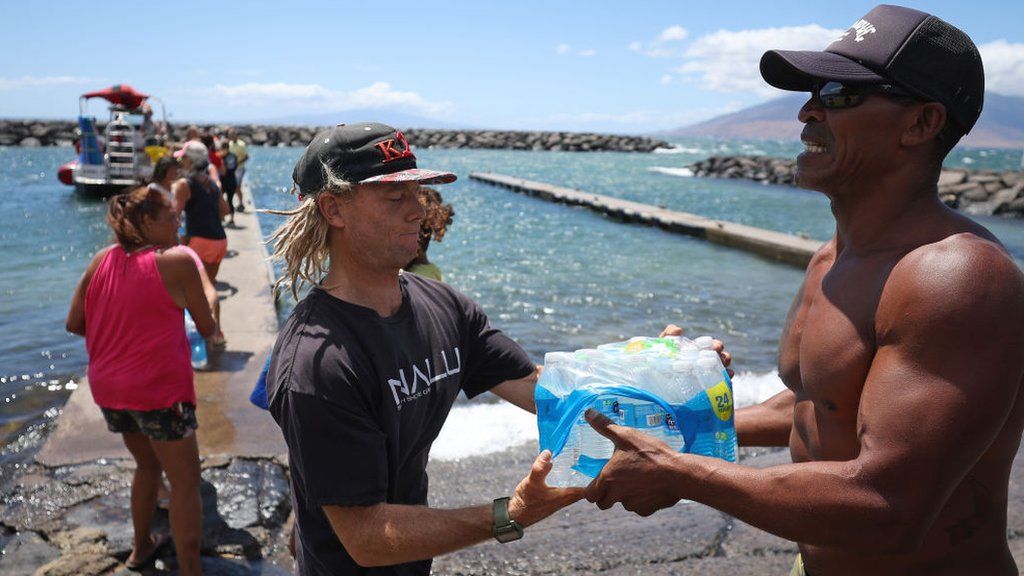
(228, 424)
(786, 248)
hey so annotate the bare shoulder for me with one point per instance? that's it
(176, 262)
(97, 259)
(826, 254)
(962, 278)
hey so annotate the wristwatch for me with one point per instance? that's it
(505, 529)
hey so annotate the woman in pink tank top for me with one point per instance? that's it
(130, 306)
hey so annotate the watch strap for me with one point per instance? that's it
(505, 529)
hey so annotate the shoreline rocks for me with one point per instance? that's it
(36, 133)
(975, 192)
(75, 519)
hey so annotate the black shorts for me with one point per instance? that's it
(174, 423)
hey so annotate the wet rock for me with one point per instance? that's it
(1012, 202)
(30, 142)
(216, 461)
(970, 191)
(959, 189)
(41, 130)
(23, 552)
(994, 186)
(977, 193)
(951, 178)
(34, 506)
(985, 178)
(110, 516)
(79, 564)
(250, 493)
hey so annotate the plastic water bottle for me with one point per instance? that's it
(562, 474)
(592, 444)
(704, 343)
(196, 343)
(678, 392)
(715, 382)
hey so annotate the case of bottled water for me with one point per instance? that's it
(672, 388)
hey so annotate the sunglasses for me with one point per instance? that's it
(836, 95)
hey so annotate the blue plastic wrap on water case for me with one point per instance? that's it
(701, 426)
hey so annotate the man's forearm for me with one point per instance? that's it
(768, 423)
(387, 534)
(817, 503)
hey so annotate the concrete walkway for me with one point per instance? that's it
(793, 250)
(228, 424)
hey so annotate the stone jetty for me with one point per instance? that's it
(976, 192)
(35, 133)
(793, 250)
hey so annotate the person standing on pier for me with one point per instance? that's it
(238, 147)
(200, 200)
(130, 305)
(367, 367)
(902, 350)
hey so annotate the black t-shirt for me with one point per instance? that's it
(360, 399)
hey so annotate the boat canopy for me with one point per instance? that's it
(119, 95)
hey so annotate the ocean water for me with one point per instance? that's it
(551, 276)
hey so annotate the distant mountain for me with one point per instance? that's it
(396, 119)
(1001, 124)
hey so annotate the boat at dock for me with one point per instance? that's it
(120, 156)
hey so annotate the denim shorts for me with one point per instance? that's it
(174, 423)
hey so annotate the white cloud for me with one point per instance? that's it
(587, 53)
(664, 45)
(666, 79)
(378, 95)
(1004, 67)
(562, 48)
(27, 82)
(673, 34)
(727, 60)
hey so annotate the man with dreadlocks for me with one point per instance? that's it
(367, 367)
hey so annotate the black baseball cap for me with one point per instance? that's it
(892, 44)
(360, 154)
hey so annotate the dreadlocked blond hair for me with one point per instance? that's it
(301, 242)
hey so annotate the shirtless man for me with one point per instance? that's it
(902, 350)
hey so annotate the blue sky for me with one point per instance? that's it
(603, 66)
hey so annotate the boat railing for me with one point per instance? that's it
(120, 154)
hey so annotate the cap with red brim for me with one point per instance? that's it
(413, 175)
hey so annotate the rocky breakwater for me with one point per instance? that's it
(34, 133)
(977, 192)
(518, 140)
(72, 520)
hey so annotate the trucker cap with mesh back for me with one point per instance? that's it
(891, 44)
